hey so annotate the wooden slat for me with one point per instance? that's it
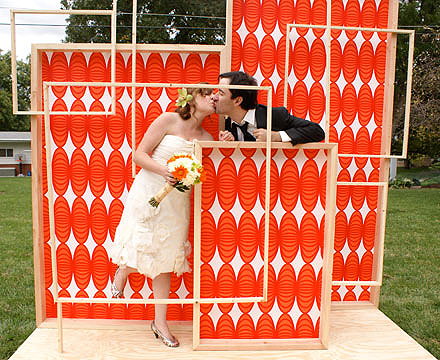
(373, 156)
(60, 327)
(262, 144)
(106, 47)
(267, 195)
(259, 344)
(158, 85)
(37, 190)
(408, 93)
(135, 85)
(286, 67)
(329, 235)
(228, 44)
(197, 252)
(236, 300)
(113, 56)
(13, 65)
(327, 71)
(352, 28)
(362, 183)
(356, 283)
(133, 89)
(63, 12)
(66, 46)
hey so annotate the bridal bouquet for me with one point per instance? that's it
(186, 169)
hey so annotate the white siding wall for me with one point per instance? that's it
(22, 147)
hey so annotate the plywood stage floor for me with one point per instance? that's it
(355, 333)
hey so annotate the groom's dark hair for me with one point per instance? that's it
(241, 78)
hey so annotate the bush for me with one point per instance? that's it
(419, 160)
(403, 183)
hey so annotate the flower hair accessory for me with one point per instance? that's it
(183, 98)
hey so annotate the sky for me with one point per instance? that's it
(26, 35)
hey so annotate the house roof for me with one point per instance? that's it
(9, 136)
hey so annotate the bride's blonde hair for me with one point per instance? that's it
(186, 111)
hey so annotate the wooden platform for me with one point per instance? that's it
(357, 333)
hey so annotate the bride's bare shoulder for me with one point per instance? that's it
(172, 116)
(167, 118)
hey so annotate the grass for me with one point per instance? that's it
(17, 310)
(410, 295)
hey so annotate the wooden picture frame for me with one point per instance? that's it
(272, 344)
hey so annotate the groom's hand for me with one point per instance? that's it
(261, 135)
(225, 136)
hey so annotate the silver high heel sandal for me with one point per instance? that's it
(116, 293)
(167, 341)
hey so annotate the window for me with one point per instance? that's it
(6, 152)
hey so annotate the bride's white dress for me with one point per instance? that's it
(155, 240)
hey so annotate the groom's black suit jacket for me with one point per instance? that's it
(300, 130)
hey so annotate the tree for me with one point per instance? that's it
(424, 135)
(8, 121)
(158, 21)
(424, 17)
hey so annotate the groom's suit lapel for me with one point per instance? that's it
(261, 117)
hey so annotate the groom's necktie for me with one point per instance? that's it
(243, 128)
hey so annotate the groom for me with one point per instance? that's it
(247, 120)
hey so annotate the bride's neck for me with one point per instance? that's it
(197, 118)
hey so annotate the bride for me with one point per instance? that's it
(153, 241)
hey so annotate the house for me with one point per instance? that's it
(15, 153)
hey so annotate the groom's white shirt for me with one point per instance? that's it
(250, 119)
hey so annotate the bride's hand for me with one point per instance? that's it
(169, 178)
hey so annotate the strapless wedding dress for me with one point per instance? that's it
(155, 240)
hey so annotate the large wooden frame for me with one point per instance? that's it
(198, 343)
(388, 110)
(330, 208)
(134, 49)
(196, 299)
(37, 135)
(112, 13)
(395, 32)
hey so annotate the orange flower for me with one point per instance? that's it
(202, 173)
(180, 172)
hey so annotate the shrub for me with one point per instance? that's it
(403, 183)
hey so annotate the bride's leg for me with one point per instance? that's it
(120, 279)
(161, 290)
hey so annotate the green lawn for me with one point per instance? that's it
(17, 310)
(410, 294)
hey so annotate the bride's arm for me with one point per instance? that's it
(152, 138)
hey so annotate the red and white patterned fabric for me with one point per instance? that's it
(232, 243)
